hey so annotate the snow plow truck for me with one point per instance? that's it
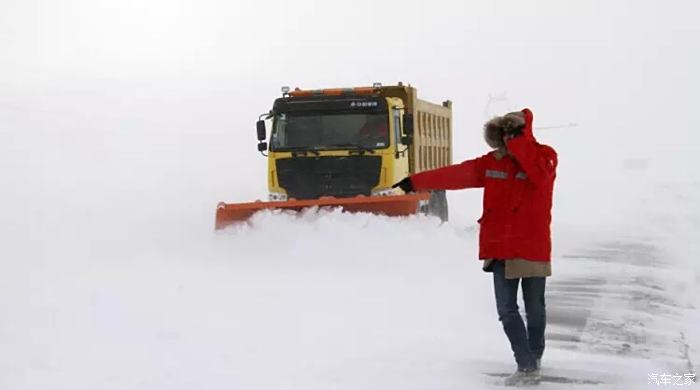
(345, 147)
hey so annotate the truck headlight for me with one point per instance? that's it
(277, 196)
(386, 192)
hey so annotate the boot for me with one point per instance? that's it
(524, 376)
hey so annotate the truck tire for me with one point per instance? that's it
(437, 205)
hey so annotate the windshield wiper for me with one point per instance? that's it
(300, 151)
(358, 148)
(303, 151)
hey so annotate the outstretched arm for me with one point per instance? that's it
(468, 174)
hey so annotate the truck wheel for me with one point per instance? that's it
(437, 205)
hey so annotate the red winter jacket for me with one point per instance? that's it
(517, 195)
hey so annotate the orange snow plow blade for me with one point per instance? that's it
(395, 205)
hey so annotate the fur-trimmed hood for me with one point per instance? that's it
(497, 127)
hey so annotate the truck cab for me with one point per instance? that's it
(349, 142)
(341, 145)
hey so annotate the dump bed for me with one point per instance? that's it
(432, 140)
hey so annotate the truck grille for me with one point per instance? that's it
(313, 177)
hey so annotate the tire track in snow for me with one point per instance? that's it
(618, 303)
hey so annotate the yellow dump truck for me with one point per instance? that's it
(345, 147)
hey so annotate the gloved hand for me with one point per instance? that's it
(405, 185)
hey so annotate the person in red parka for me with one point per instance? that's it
(514, 237)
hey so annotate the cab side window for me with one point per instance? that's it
(397, 126)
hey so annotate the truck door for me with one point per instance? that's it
(400, 165)
(397, 129)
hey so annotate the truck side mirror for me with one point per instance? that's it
(262, 132)
(408, 124)
(262, 146)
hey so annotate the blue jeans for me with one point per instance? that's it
(527, 343)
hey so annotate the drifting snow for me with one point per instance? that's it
(321, 300)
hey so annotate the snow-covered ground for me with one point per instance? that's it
(325, 300)
(123, 124)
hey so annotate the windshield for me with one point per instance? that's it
(330, 131)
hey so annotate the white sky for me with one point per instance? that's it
(180, 83)
(584, 59)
